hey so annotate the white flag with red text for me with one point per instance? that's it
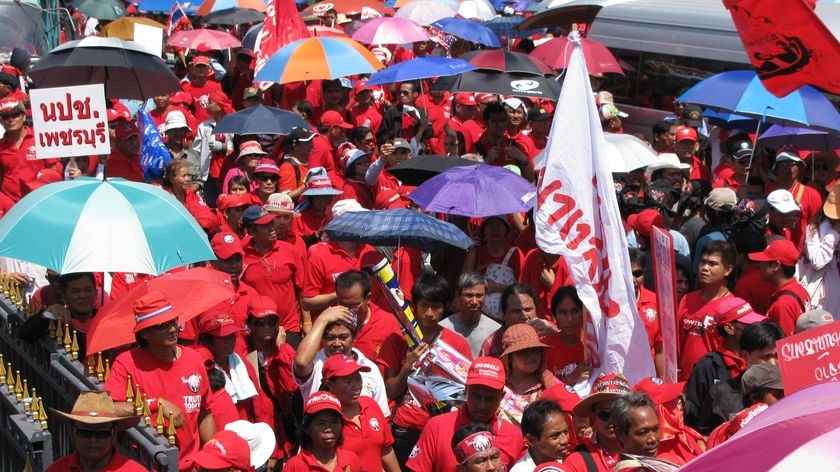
(577, 217)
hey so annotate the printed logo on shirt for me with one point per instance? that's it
(129, 278)
(650, 315)
(564, 371)
(192, 403)
(374, 424)
(414, 452)
(693, 327)
(193, 382)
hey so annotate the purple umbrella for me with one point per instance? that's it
(477, 191)
(803, 138)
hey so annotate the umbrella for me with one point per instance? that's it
(210, 6)
(419, 169)
(503, 60)
(803, 138)
(476, 9)
(741, 92)
(469, 30)
(123, 28)
(368, 8)
(627, 152)
(233, 16)
(516, 85)
(165, 6)
(420, 68)
(478, 190)
(505, 26)
(318, 58)
(398, 227)
(556, 53)
(190, 292)
(211, 39)
(425, 12)
(401, 3)
(729, 120)
(260, 120)
(127, 69)
(803, 429)
(249, 40)
(389, 30)
(93, 225)
(321, 30)
(101, 9)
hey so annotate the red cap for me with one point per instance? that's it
(486, 98)
(118, 111)
(126, 129)
(341, 365)
(152, 309)
(334, 118)
(736, 309)
(224, 451)
(226, 245)
(181, 98)
(780, 250)
(11, 104)
(466, 99)
(267, 166)
(217, 323)
(43, 177)
(200, 60)
(229, 200)
(362, 86)
(658, 390)
(644, 221)
(487, 371)
(686, 133)
(320, 401)
(261, 306)
(390, 199)
(565, 396)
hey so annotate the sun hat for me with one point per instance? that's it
(267, 166)
(666, 160)
(152, 309)
(175, 119)
(97, 408)
(251, 148)
(831, 208)
(761, 376)
(280, 203)
(318, 183)
(260, 438)
(520, 337)
(606, 387)
(721, 199)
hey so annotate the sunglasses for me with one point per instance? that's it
(405, 92)
(94, 433)
(164, 326)
(9, 116)
(603, 416)
(267, 177)
(369, 141)
(638, 273)
(270, 321)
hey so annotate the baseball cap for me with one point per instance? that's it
(780, 250)
(226, 245)
(256, 215)
(280, 203)
(126, 129)
(644, 221)
(721, 199)
(515, 103)
(786, 155)
(299, 135)
(217, 323)
(351, 156)
(736, 309)
(686, 133)
(267, 166)
(321, 401)
(200, 61)
(761, 376)
(117, 111)
(231, 200)
(333, 118)
(813, 319)
(252, 92)
(260, 306)
(181, 98)
(342, 365)
(401, 143)
(539, 114)
(224, 450)
(739, 146)
(693, 116)
(488, 372)
(465, 99)
(782, 201)
(362, 85)
(659, 390)
(152, 309)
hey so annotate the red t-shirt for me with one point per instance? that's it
(648, 308)
(359, 191)
(470, 129)
(308, 222)
(785, 308)
(378, 327)
(694, 316)
(275, 274)
(371, 436)
(18, 164)
(699, 171)
(560, 358)
(182, 382)
(118, 463)
(200, 96)
(127, 167)
(531, 270)
(724, 176)
(323, 155)
(347, 461)
(409, 413)
(368, 116)
(604, 461)
(751, 288)
(326, 261)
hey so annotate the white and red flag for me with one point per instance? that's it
(283, 25)
(577, 217)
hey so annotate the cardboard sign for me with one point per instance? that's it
(70, 121)
(149, 36)
(810, 357)
(665, 276)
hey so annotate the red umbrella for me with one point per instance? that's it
(347, 7)
(209, 39)
(191, 292)
(503, 60)
(556, 54)
(320, 30)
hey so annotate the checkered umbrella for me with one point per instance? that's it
(398, 227)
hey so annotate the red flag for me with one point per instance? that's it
(283, 25)
(787, 43)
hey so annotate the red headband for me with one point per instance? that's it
(473, 444)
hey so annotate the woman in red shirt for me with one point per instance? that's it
(176, 180)
(322, 438)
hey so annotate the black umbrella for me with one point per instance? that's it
(260, 120)
(419, 169)
(127, 69)
(503, 60)
(233, 16)
(505, 83)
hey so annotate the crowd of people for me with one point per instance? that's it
(306, 367)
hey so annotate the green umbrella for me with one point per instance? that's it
(101, 9)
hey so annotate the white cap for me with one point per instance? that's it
(514, 103)
(343, 206)
(782, 201)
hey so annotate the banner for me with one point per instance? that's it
(283, 25)
(810, 357)
(787, 43)
(70, 121)
(665, 276)
(577, 217)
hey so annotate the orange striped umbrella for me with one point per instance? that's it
(321, 57)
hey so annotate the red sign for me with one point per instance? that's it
(810, 357)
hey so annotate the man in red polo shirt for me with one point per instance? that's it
(17, 151)
(199, 86)
(463, 120)
(789, 169)
(686, 147)
(124, 160)
(229, 260)
(777, 264)
(331, 132)
(282, 206)
(365, 113)
(545, 273)
(485, 389)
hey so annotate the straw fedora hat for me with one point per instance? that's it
(97, 408)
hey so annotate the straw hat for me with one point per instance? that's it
(607, 387)
(831, 208)
(97, 408)
(520, 337)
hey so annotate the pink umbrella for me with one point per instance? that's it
(320, 30)
(556, 54)
(799, 433)
(389, 30)
(207, 38)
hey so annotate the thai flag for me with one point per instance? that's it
(175, 17)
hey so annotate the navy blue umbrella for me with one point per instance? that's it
(398, 227)
(260, 120)
(506, 26)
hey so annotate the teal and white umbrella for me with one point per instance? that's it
(93, 225)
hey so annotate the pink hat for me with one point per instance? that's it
(487, 371)
(217, 323)
(658, 390)
(321, 401)
(226, 245)
(342, 365)
(152, 309)
(333, 118)
(225, 450)
(251, 148)
(267, 166)
(261, 306)
(736, 309)
(780, 250)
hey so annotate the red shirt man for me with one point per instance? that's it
(124, 160)
(326, 261)
(463, 120)
(777, 265)
(545, 273)
(687, 145)
(17, 151)
(199, 87)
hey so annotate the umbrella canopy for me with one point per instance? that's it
(516, 85)
(556, 53)
(165, 6)
(123, 28)
(503, 60)
(425, 12)
(729, 120)
(233, 16)
(627, 152)
(101, 9)
(190, 292)
(420, 68)
(476, 9)
(318, 58)
(348, 7)
(249, 40)
(741, 92)
(260, 120)
(419, 169)
(210, 39)
(469, 30)
(104, 226)
(505, 26)
(389, 30)
(398, 227)
(210, 6)
(803, 138)
(321, 30)
(127, 69)
(478, 190)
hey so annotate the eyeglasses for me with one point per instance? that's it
(164, 326)
(9, 116)
(270, 321)
(603, 415)
(405, 92)
(94, 433)
(638, 273)
(268, 177)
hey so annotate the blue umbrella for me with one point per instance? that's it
(506, 26)
(469, 30)
(729, 120)
(93, 225)
(399, 227)
(249, 39)
(477, 191)
(420, 68)
(741, 92)
(260, 120)
(803, 138)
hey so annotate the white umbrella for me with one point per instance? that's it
(627, 152)
(477, 9)
(425, 12)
